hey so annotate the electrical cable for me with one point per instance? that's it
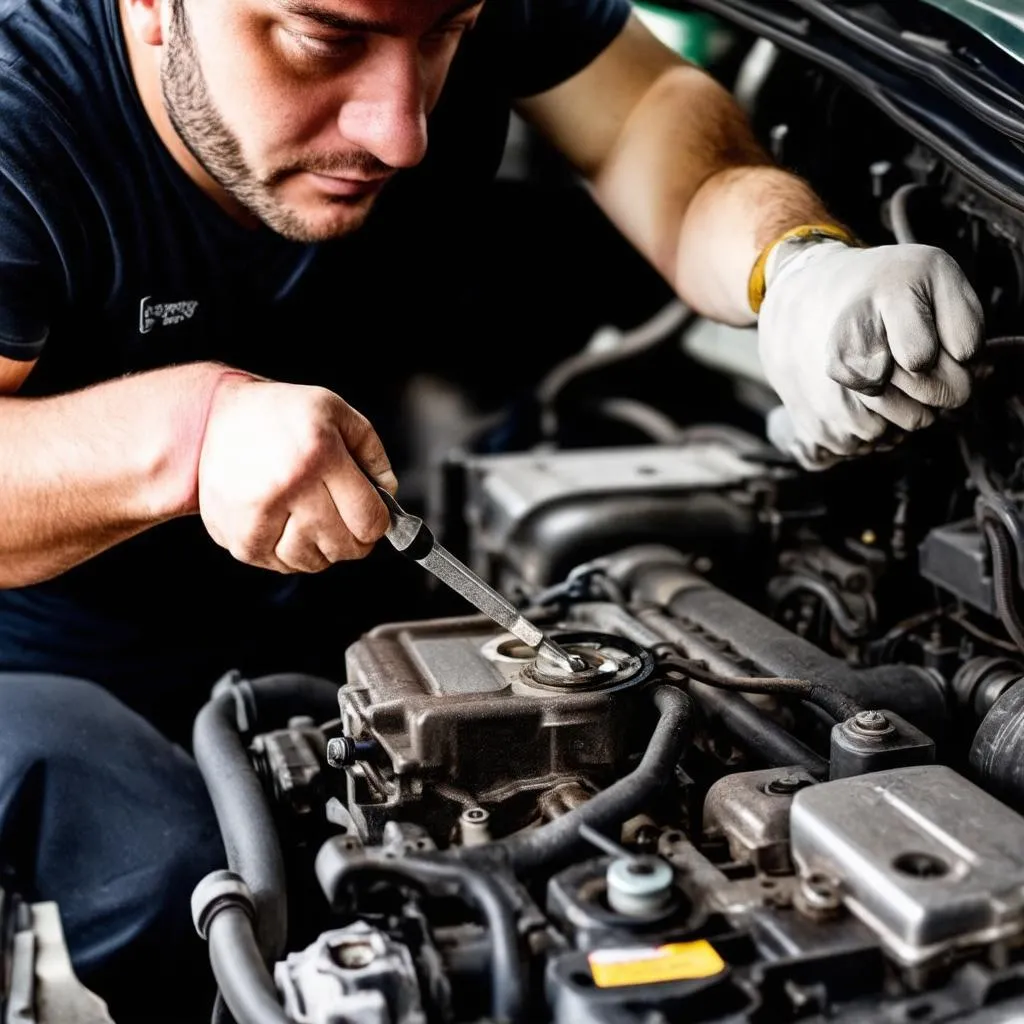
(834, 703)
(657, 425)
(942, 77)
(785, 587)
(979, 634)
(1003, 581)
(899, 214)
(792, 35)
(669, 320)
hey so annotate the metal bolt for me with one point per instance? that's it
(818, 896)
(354, 955)
(474, 826)
(339, 752)
(819, 890)
(344, 750)
(871, 721)
(785, 785)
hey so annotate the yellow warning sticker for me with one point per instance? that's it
(645, 965)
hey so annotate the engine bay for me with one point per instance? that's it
(786, 779)
(786, 782)
(774, 809)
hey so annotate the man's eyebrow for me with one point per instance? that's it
(346, 23)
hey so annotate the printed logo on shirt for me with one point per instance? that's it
(164, 314)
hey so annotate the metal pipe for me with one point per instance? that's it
(763, 737)
(747, 639)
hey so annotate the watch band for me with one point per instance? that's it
(757, 285)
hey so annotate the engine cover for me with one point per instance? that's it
(471, 711)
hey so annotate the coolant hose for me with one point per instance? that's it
(242, 809)
(242, 977)
(541, 847)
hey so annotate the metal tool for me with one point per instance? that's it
(411, 536)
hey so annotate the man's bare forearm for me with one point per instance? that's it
(735, 214)
(714, 199)
(83, 471)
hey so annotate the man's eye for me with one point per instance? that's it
(317, 46)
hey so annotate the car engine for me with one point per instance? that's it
(787, 783)
(762, 810)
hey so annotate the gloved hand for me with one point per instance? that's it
(861, 344)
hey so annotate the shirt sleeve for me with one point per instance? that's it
(561, 37)
(29, 275)
(34, 187)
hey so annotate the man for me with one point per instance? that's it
(184, 297)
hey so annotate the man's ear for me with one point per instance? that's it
(142, 18)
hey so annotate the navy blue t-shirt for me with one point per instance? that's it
(113, 261)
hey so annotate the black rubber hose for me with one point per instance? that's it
(541, 847)
(243, 811)
(1003, 581)
(507, 991)
(794, 583)
(283, 696)
(221, 1014)
(242, 977)
(508, 999)
(832, 702)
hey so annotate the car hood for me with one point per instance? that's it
(1000, 21)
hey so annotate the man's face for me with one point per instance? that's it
(302, 109)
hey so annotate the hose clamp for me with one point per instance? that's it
(216, 892)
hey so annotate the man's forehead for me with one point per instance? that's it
(393, 17)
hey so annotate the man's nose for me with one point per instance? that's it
(386, 115)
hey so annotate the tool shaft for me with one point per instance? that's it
(448, 569)
(410, 535)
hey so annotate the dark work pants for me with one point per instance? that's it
(101, 813)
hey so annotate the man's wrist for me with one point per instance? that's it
(175, 476)
(769, 260)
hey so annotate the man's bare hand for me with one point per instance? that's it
(285, 476)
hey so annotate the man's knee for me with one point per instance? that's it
(99, 812)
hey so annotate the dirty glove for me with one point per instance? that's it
(861, 344)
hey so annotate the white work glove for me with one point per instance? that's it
(863, 344)
(285, 476)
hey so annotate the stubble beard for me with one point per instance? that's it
(216, 148)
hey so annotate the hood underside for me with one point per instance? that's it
(1000, 21)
